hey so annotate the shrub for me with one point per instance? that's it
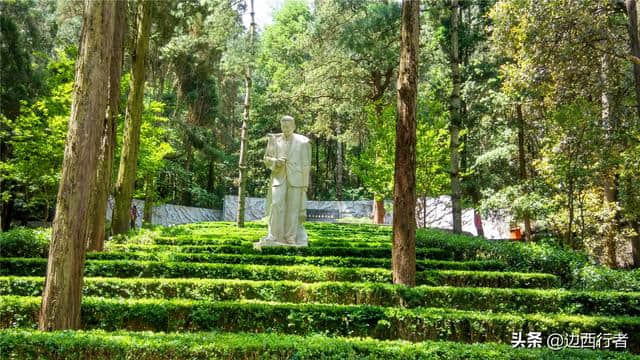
(123, 268)
(97, 344)
(24, 242)
(517, 256)
(462, 298)
(598, 277)
(292, 260)
(302, 319)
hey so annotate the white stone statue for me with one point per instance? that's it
(288, 155)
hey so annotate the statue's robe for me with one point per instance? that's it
(287, 198)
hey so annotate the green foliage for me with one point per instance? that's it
(131, 268)
(520, 256)
(37, 138)
(24, 242)
(598, 277)
(71, 345)
(301, 319)
(461, 298)
(334, 261)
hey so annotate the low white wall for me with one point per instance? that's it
(438, 213)
(169, 214)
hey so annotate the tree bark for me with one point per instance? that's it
(632, 14)
(98, 209)
(378, 210)
(339, 164)
(610, 190)
(523, 167)
(246, 117)
(62, 294)
(149, 198)
(455, 104)
(404, 191)
(133, 119)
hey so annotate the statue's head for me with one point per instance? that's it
(288, 125)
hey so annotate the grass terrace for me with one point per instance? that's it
(201, 291)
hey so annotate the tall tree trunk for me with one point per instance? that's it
(339, 165)
(316, 174)
(632, 13)
(6, 209)
(149, 198)
(378, 210)
(246, 117)
(404, 190)
(635, 244)
(455, 103)
(133, 119)
(211, 175)
(188, 149)
(98, 201)
(62, 294)
(523, 167)
(610, 189)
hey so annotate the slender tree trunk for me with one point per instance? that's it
(6, 211)
(610, 189)
(98, 201)
(571, 194)
(404, 190)
(632, 13)
(149, 198)
(635, 244)
(62, 294)
(316, 177)
(455, 103)
(339, 165)
(523, 167)
(188, 149)
(133, 119)
(378, 210)
(246, 117)
(424, 211)
(211, 175)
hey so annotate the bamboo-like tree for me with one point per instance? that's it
(246, 117)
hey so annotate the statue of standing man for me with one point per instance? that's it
(288, 156)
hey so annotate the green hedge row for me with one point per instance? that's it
(371, 252)
(292, 260)
(363, 252)
(302, 319)
(230, 240)
(121, 345)
(517, 255)
(307, 273)
(239, 240)
(462, 298)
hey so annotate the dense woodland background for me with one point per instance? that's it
(535, 110)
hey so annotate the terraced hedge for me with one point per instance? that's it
(124, 268)
(70, 345)
(346, 293)
(207, 277)
(302, 319)
(292, 260)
